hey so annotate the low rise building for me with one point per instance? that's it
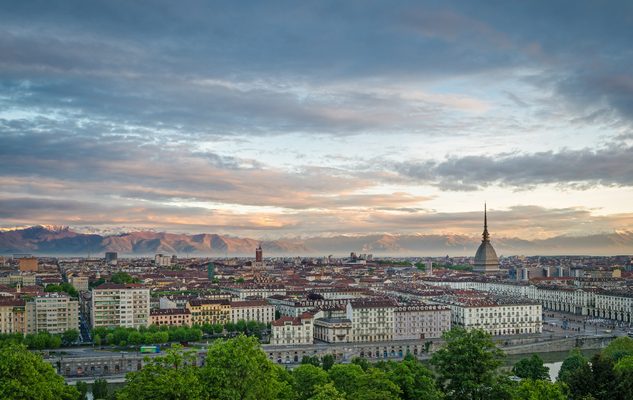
(333, 330)
(170, 317)
(293, 331)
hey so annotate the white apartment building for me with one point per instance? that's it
(333, 330)
(124, 305)
(293, 331)
(420, 321)
(54, 313)
(372, 319)
(498, 316)
(252, 310)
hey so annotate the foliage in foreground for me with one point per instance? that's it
(24, 375)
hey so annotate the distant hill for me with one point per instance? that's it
(56, 240)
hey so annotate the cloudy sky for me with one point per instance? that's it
(280, 119)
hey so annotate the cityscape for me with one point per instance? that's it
(316, 201)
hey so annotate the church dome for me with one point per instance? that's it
(486, 255)
(486, 259)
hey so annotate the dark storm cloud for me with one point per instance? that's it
(609, 166)
(148, 64)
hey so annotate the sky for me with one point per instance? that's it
(318, 118)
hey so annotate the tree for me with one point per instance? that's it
(539, 389)
(327, 361)
(604, 384)
(62, 288)
(82, 387)
(239, 369)
(25, 375)
(123, 277)
(346, 377)
(414, 379)
(312, 360)
(619, 348)
(172, 377)
(624, 372)
(467, 364)
(307, 377)
(375, 385)
(70, 336)
(576, 373)
(327, 392)
(100, 389)
(531, 368)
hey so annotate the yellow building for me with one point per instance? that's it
(205, 311)
(12, 316)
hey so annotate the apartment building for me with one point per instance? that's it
(125, 305)
(170, 317)
(333, 330)
(293, 331)
(12, 316)
(372, 319)
(54, 313)
(496, 315)
(207, 311)
(420, 321)
(252, 310)
(80, 283)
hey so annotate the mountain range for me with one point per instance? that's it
(59, 240)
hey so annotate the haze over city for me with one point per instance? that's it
(284, 119)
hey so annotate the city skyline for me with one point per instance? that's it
(302, 120)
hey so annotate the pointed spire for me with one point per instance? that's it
(485, 235)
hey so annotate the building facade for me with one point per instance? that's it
(372, 320)
(12, 316)
(170, 317)
(420, 321)
(252, 310)
(54, 313)
(125, 305)
(207, 311)
(293, 331)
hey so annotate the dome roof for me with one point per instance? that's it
(486, 255)
(486, 259)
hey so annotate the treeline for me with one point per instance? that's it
(41, 340)
(249, 328)
(466, 367)
(151, 335)
(165, 334)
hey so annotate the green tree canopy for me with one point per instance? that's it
(307, 377)
(170, 377)
(576, 373)
(618, 348)
(531, 368)
(26, 376)
(539, 389)
(414, 379)
(467, 364)
(237, 369)
(327, 392)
